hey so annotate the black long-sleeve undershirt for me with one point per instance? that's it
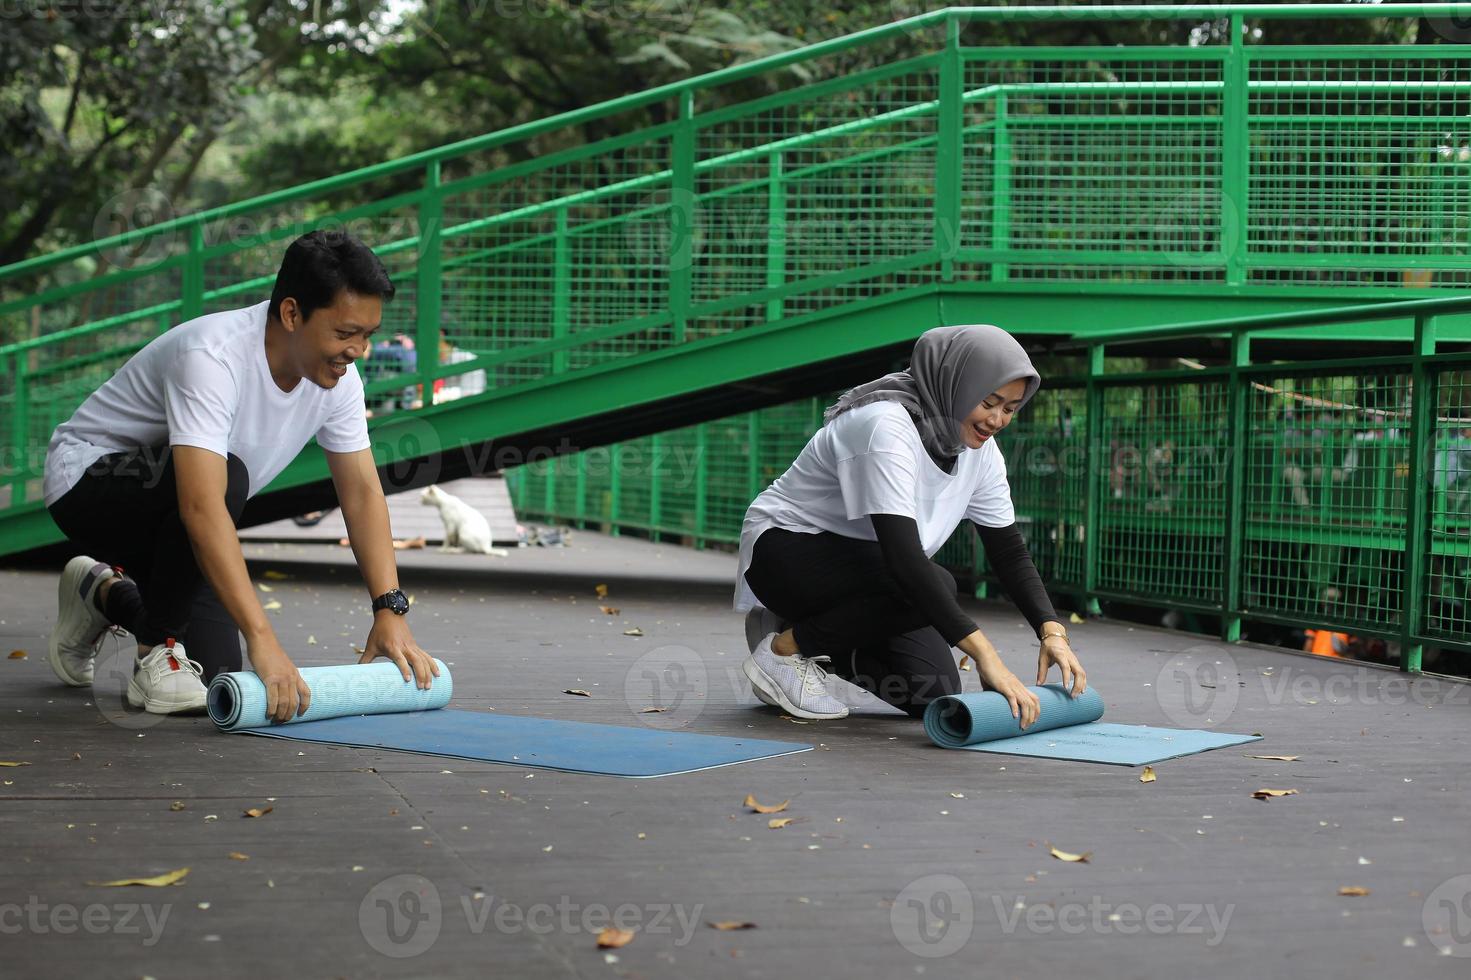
(931, 591)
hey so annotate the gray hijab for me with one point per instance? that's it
(953, 370)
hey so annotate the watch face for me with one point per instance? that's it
(397, 602)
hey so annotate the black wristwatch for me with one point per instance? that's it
(393, 600)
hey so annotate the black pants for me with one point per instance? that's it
(842, 602)
(125, 511)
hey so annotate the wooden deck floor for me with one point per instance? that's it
(901, 859)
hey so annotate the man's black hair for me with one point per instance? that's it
(320, 264)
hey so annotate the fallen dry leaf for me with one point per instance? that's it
(1267, 794)
(1148, 775)
(731, 926)
(965, 661)
(273, 604)
(1065, 856)
(633, 632)
(777, 823)
(276, 576)
(794, 721)
(12, 765)
(611, 938)
(577, 691)
(264, 587)
(1277, 758)
(17, 654)
(1354, 890)
(1075, 619)
(258, 812)
(610, 610)
(237, 856)
(176, 806)
(601, 590)
(649, 711)
(155, 882)
(750, 801)
(410, 544)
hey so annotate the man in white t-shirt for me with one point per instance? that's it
(151, 474)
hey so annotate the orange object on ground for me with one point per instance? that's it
(1325, 644)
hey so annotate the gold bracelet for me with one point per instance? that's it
(1060, 632)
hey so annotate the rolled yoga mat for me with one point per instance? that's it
(237, 701)
(371, 706)
(1066, 728)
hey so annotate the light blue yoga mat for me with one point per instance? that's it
(1067, 728)
(370, 706)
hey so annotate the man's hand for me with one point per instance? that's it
(996, 677)
(390, 638)
(1055, 650)
(287, 695)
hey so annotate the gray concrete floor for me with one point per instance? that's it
(901, 859)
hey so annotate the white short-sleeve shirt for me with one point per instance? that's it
(206, 383)
(870, 460)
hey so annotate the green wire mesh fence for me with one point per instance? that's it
(832, 175)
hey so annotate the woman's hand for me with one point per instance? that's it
(996, 677)
(287, 695)
(1055, 650)
(390, 639)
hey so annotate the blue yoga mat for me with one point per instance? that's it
(238, 700)
(1067, 728)
(538, 743)
(371, 706)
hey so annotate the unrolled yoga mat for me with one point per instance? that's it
(1067, 728)
(370, 706)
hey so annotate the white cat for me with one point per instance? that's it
(465, 528)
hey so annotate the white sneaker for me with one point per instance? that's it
(795, 684)
(80, 626)
(166, 682)
(760, 623)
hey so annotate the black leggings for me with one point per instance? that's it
(125, 511)
(842, 601)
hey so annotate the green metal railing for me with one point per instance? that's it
(1326, 493)
(1235, 170)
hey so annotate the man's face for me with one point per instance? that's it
(325, 344)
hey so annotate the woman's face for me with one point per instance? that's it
(993, 414)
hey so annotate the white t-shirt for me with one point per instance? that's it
(207, 383)
(870, 460)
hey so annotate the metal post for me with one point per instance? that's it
(615, 486)
(1001, 190)
(561, 290)
(776, 234)
(655, 510)
(1424, 404)
(191, 303)
(682, 218)
(949, 150)
(1237, 415)
(1236, 155)
(702, 485)
(1097, 475)
(427, 283)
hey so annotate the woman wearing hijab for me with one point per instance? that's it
(835, 555)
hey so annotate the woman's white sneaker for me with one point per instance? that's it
(166, 682)
(80, 625)
(795, 684)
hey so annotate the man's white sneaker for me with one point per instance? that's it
(795, 684)
(166, 682)
(80, 625)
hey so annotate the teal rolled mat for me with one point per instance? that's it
(958, 720)
(238, 700)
